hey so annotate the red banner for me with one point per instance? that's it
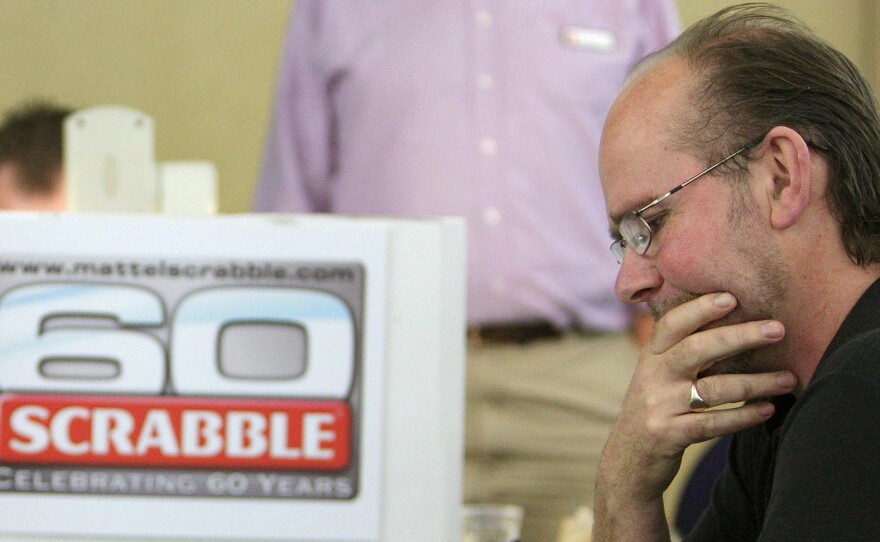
(182, 432)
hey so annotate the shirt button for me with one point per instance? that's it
(484, 18)
(485, 81)
(492, 216)
(489, 146)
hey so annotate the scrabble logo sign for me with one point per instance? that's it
(180, 378)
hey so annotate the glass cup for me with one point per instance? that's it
(491, 523)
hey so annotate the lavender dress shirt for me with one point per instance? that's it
(490, 110)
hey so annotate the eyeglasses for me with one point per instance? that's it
(635, 232)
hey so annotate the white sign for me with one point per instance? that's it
(229, 377)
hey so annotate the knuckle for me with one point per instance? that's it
(727, 336)
(652, 403)
(694, 432)
(679, 354)
(678, 358)
(705, 428)
(655, 429)
(698, 344)
(748, 389)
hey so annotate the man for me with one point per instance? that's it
(762, 273)
(491, 111)
(31, 158)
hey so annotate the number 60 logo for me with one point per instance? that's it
(191, 360)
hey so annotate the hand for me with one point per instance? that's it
(655, 425)
(642, 327)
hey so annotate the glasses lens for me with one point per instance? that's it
(635, 232)
(618, 249)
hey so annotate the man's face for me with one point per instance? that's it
(709, 237)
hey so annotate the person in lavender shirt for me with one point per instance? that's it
(491, 111)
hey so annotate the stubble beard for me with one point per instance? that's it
(761, 296)
(764, 302)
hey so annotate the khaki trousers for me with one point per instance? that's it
(537, 417)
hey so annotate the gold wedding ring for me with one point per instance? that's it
(697, 403)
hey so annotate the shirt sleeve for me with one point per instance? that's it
(297, 158)
(826, 483)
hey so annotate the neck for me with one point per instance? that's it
(828, 299)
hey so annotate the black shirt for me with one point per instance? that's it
(812, 471)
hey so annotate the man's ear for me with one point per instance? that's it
(789, 181)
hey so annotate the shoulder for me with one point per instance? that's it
(858, 358)
(825, 482)
(848, 377)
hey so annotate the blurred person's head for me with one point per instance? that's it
(31, 157)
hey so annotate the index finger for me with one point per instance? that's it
(688, 317)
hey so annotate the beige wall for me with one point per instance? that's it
(205, 69)
(848, 24)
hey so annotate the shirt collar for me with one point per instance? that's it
(863, 317)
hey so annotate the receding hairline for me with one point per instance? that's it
(738, 23)
(646, 63)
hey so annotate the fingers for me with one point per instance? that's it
(656, 422)
(688, 351)
(686, 318)
(724, 389)
(706, 425)
(701, 350)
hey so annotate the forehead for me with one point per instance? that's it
(638, 158)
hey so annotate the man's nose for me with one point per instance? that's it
(637, 278)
